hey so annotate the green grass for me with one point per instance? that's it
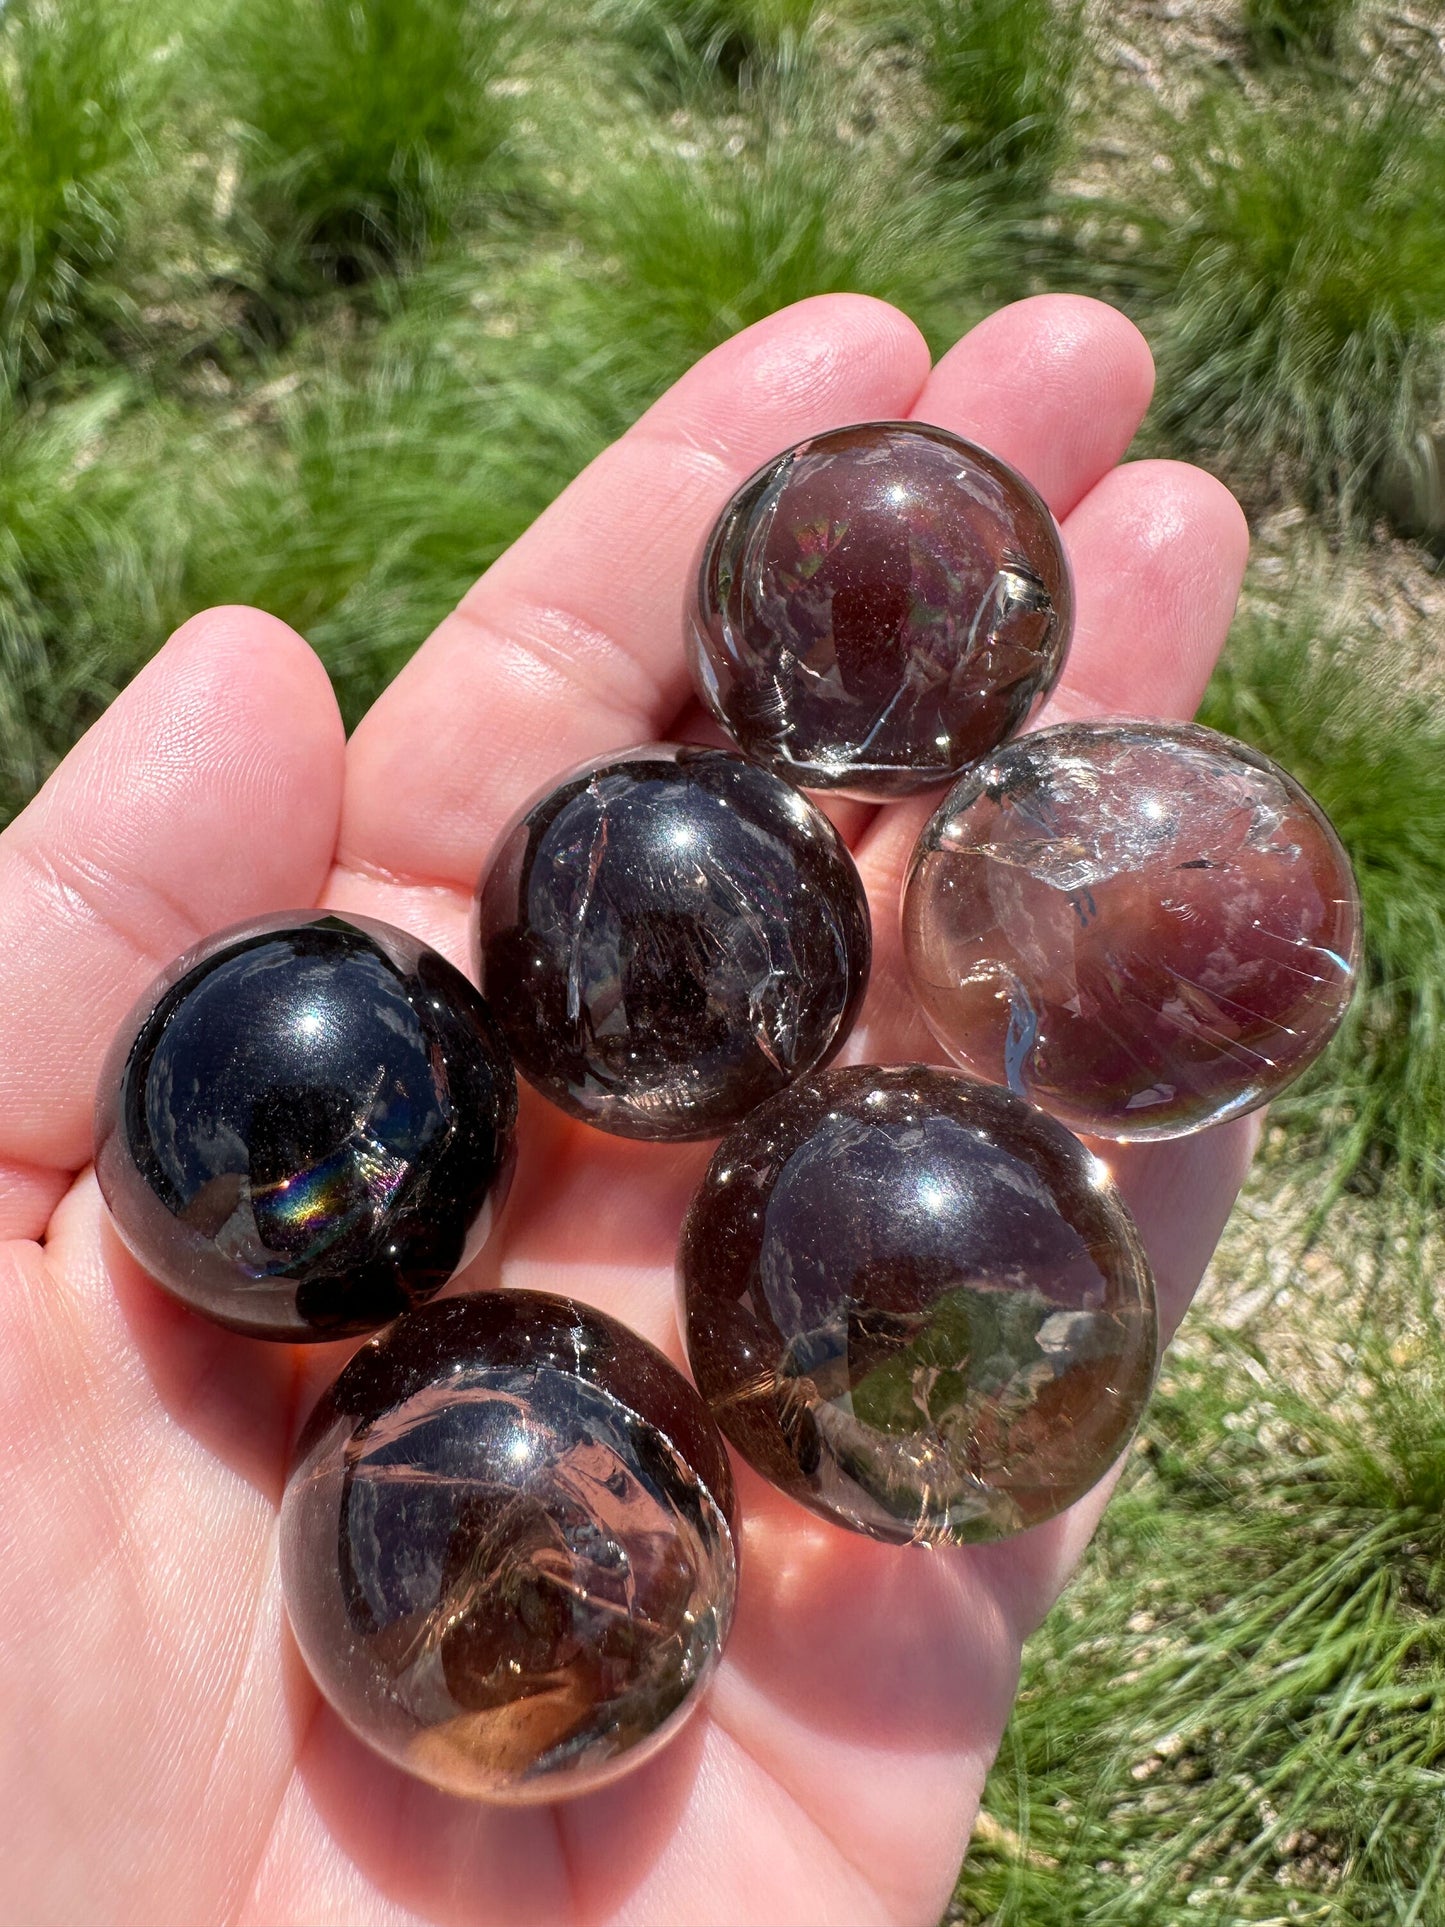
(80, 92)
(1295, 286)
(49, 540)
(1238, 1713)
(393, 493)
(685, 45)
(1003, 75)
(367, 128)
(1297, 29)
(358, 505)
(698, 245)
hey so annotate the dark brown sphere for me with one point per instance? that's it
(1143, 927)
(305, 1126)
(877, 606)
(917, 1304)
(668, 937)
(508, 1546)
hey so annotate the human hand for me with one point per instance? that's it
(165, 1758)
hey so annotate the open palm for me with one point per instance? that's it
(163, 1756)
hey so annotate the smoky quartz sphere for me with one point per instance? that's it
(878, 606)
(1143, 927)
(508, 1546)
(306, 1125)
(917, 1304)
(668, 937)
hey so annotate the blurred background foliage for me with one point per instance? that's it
(315, 304)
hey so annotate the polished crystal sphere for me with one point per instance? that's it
(917, 1304)
(508, 1546)
(668, 937)
(876, 607)
(1143, 927)
(306, 1125)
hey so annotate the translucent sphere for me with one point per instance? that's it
(1143, 927)
(877, 606)
(668, 937)
(916, 1304)
(508, 1546)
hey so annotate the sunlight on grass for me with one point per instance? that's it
(1238, 1712)
(91, 556)
(394, 496)
(1003, 74)
(79, 91)
(1295, 254)
(370, 126)
(700, 244)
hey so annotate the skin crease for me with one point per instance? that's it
(163, 1757)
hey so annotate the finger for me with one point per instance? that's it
(208, 792)
(1158, 551)
(571, 644)
(1056, 385)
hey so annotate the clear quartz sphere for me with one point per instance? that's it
(508, 1546)
(917, 1304)
(877, 606)
(1143, 927)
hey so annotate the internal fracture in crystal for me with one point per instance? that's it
(877, 606)
(916, 1304)
(508, 1546)
(668, 937)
